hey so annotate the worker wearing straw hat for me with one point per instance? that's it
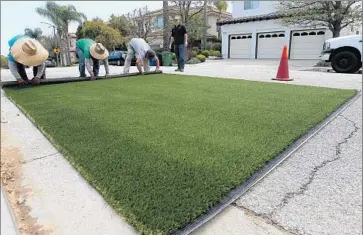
(26, 51)
(88, 50)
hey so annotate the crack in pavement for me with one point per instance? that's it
(304, 187)
(38, 158)
(265, 218)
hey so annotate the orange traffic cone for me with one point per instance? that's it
(283, 71)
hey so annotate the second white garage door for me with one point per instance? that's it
(307, 44)
(240, 46)
(269, 45)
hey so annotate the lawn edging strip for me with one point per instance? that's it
(262, 173)
(76, 79)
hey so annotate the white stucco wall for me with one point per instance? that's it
(264, 7)
(255, 28)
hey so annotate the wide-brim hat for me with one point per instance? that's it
(28, 51)
(98, 51)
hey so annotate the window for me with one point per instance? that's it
(160, 22)
(251, 5)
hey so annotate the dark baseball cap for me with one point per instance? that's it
(150, 54)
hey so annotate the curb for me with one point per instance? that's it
(8, 208)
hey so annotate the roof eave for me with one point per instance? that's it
(249, 19)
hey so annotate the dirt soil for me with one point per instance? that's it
(11, 180)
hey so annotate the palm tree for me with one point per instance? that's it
(204, 42)
(166, 28)
(221, 6)
(34, 33)
(61, 17)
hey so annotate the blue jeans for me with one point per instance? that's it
(180, 55)
(82, 64)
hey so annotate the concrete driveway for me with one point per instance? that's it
(317, 190)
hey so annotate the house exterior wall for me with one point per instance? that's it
(212, 22)
(263, 7)
(256, 27)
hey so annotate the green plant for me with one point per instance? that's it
(193, 54)
(215, 53)
(205, 53)
(214, 46)
(4, 62)
(193, 61)
(201, 58)
(196, 49)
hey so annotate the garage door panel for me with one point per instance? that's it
(307, 44)
(240, 46)
(269, 45)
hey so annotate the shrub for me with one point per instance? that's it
(205, 53)
(196, 49)
(201, 58)
(4, 62)
(193, 54)
(216, 46)
(215, 53)
(193, 61)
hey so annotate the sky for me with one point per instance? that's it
(26, 17)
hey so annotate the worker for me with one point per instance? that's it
(138, 47)
(26, 51)
(88, 50)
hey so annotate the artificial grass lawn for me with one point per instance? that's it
(162, 149)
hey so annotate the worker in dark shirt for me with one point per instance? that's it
(179, 36)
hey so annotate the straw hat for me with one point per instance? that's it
(29, 52)
(98, 51)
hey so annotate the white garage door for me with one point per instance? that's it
(307, 44)
(269, 45)
(240, 46)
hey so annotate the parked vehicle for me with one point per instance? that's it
(117, 57)
(344, 53)
(50, 62)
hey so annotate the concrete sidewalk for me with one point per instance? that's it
(8, 225)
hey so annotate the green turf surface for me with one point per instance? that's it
(163, 149)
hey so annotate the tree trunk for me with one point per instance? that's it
(69, 61)
(62, 49)
(166, 32)
(336, 33)
(337, 27)
(204, 44)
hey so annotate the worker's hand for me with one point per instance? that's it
(92, 76)
(21, 82)
(186, 44)
(158, 70)
(36, 81)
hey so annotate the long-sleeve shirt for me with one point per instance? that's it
(14, 70)
(85, 44)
